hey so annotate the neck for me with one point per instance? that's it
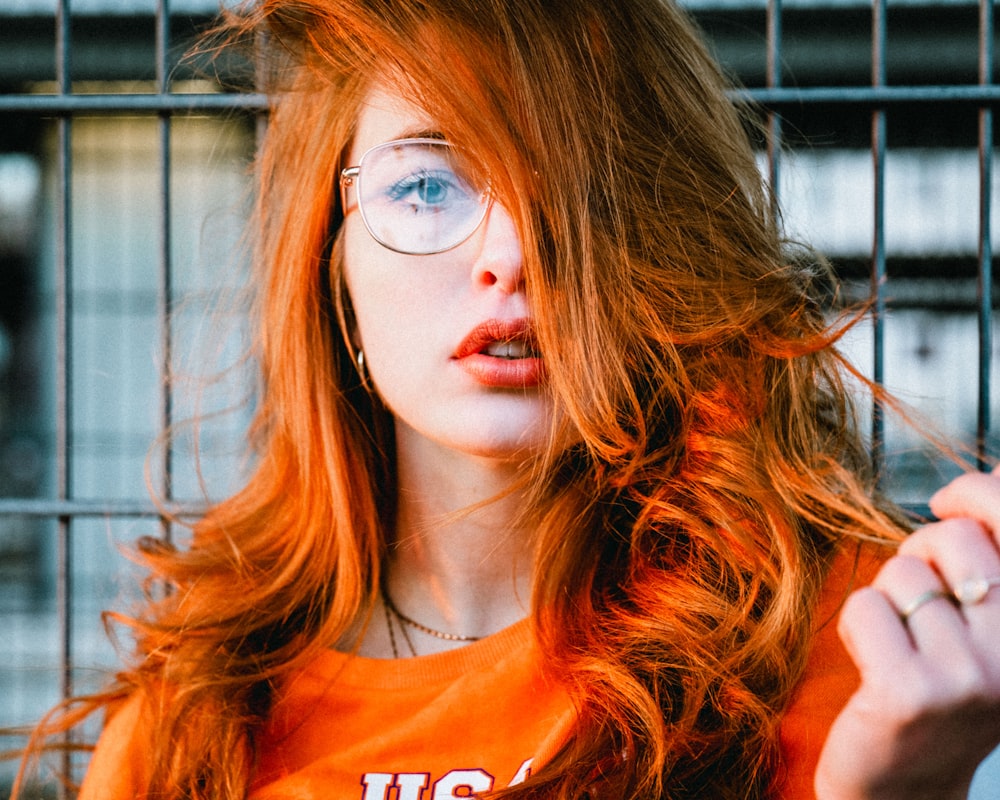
(461, 560)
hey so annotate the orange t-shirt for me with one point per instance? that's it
(829, 680)
(453, 724)
(440, 726)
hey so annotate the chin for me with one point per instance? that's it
(514, 443)
(504, 446)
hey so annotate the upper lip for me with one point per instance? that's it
(497, 330)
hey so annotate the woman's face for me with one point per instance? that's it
(447, 338)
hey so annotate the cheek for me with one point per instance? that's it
(365, 280)
(385, 294)
(396, 296)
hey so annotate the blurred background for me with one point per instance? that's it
(125, 178)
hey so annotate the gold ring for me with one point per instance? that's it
(972, 591)
(921, 599)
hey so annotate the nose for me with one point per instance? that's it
(499, 261)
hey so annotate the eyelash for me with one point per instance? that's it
(412, 182)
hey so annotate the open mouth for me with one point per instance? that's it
(502, 354)
(505, 339)
(511, 349)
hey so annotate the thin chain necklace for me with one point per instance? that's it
(402, 621)
(392, 635)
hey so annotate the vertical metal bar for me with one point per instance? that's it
(165, 270)
(985, 287)
(63, 376)
(774, 132)
(878, 268)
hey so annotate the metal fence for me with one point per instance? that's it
(64, 512)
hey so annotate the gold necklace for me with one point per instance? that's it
(403, 620)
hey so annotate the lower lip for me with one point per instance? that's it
(504, 373)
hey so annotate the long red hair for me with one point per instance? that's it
(716, 465)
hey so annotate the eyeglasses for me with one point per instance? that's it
(415, 197)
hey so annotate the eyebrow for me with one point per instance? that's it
(416, 133)
(422, 133)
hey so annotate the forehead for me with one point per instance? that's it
(385, 115)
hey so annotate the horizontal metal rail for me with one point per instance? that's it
(65, 509)
(123, 509)
(72, 104)
(780, 97)
(777, 97)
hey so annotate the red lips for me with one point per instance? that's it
(502, 354)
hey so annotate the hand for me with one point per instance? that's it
(926, 639)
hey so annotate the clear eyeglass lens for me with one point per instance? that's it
(416, 198)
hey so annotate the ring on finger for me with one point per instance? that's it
(973, 591)
(920, 600)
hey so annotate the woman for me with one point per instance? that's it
(558, 485)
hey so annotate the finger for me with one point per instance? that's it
(923, 604)
(965, 556)
(957, 548)
(873, 633)
(975, 495)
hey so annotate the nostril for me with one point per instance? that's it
(489, 278)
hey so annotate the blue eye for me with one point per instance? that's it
(425, 189)
(416, 196)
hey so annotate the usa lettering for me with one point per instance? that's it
(417, 785)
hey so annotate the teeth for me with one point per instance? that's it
(511, 350)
